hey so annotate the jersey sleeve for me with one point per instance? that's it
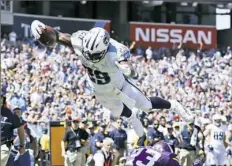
(76, 40)
(123, 52)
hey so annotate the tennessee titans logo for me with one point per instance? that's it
(106, 39)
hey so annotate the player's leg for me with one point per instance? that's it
(114, 105)
(183, 156)
(212, 158)
(144, 103)
(221, 155)
(118, 108)
(229, 156)
(192, 157)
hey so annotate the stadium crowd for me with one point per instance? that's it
(50, 85)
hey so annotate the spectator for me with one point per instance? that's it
(119, 137)
(99, 136)
(104, 156)
(92, 142)
(150, 118)
(148, 53)
(139, 51)
(13, 37)
(188, 150)
(44, 148)
(76, 140)
(154, 135)
(162, 126)
(171, 139)
(18, 101)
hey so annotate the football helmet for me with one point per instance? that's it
(200, 161)
(163, 147)
(150, 156)
(95, 44)
(217, 119)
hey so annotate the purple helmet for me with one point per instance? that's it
(163, 147)
(200, 161)
(150, 156)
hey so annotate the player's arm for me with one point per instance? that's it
(62, 38)
(127, 68)
(207, 131)
(124, 63)
(227, 141)
(201, 142)
(224, 141)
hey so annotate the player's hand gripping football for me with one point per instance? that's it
(46, 35)
(36, 28)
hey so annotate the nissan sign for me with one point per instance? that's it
(165, 35)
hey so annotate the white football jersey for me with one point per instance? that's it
(103, 75)
(217, 136)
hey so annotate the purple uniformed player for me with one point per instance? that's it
(161, 154)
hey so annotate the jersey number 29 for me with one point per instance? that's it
(98, 77)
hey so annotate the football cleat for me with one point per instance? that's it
(185, 113)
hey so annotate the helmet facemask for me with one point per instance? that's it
(217, 122)
(96, 57)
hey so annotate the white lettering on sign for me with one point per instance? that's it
(164, 35)
(140, 32)
(189, 37)
(176, 37)
(203, 37)
(27, 30)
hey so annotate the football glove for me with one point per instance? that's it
(36, 28)
(229, 152)
(210, 147)
(201, 152)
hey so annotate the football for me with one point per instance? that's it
(48, 36)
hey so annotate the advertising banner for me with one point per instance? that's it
(22, 23)
(165, 35)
